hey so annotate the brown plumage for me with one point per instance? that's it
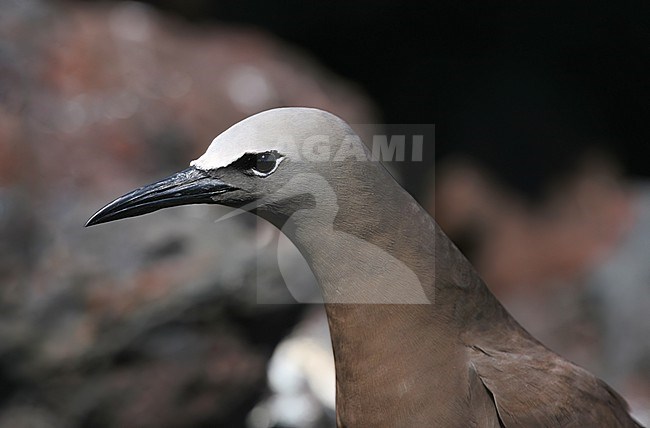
(418, 338)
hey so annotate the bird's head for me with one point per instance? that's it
(255, 164)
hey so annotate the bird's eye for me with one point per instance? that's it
(265, 162)
(260, 164)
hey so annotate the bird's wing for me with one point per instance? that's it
(483, 407)
(536, 388)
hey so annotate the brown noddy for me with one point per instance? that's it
(418, 338)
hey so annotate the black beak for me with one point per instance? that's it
(191, 186)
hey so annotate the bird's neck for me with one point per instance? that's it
(369, 242)
(396, 292)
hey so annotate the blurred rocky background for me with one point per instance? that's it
(542, 162)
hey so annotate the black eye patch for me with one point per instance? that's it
(245, 162)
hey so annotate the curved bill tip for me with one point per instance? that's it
(190, 186)
(91, 221)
